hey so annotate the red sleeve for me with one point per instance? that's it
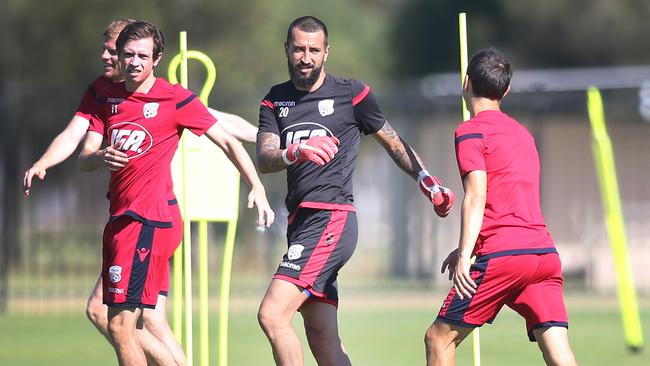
(97, 119)
(85, 108)
(470, 151)
(191, 113)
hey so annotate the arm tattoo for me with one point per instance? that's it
(401, 153)
(269, 155)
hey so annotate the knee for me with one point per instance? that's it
(96, 311)
(120, 331)
(321, 335)
(270, 320)
(560, 358)
(434, 342)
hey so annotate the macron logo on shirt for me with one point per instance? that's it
(131, 138)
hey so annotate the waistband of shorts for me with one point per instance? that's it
(327, 206)
(510, 252)
(322, 206)
(137, 217)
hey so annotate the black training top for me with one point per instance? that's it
(340, 107)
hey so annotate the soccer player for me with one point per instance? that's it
(155, 321)
(143, 118)
(311, 126)
(516, 263)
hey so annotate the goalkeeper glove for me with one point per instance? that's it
(318, 149)
(441, 197)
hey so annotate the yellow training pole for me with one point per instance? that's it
(606, 170)
(224, 304)
(462, 30)
(204, 344)
(187, 234)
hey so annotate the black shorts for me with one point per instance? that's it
(320, 242)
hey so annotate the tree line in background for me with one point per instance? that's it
(50, 52)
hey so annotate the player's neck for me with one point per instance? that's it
(479, 105)
(142, 87)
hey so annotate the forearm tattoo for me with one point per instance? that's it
(403, 155)
(269, 155)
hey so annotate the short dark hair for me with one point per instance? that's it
(307, 24)
(490, 73)
(141, 30)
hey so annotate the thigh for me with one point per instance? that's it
(321, 317)
(282, 299)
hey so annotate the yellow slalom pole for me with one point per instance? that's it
(606, 170)
(187, 226)
(224, 304)
(204, 344)
(462, 31)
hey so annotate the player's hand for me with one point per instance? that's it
(257, 198)
(442, 197)
(35, 170)
(450, 263)
(318, 149)
(463, 283)
(113, 159)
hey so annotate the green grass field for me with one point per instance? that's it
(381, 328)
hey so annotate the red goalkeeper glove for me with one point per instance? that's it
(441, 197)
(318, 149)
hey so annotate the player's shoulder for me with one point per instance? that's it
(471, 126)
(101, 82)
(279, 91)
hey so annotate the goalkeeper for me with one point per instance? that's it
(311, 126)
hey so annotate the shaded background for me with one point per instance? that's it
(407, 50)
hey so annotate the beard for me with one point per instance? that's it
(301, 81)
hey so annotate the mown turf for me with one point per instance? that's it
(382, 330)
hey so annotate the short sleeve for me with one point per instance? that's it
(267, 121)
(87, 103)
(470, 151)
(367, 114)
(97, 118)
(191, 113)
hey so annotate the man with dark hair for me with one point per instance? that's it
(142, 119)
(505, 255)
(311, 126)
(154, 320)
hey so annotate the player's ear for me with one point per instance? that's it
(467, 84)
(157, 60)
(506, 93)
(286, 49)
(327, 52)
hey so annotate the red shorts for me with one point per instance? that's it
(136, 261)
(530, 284)
(175, 239)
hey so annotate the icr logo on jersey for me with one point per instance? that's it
(131, 138)
(326, 107)
(150, 110)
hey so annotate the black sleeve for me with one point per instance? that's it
(267, 121)
(369, 117)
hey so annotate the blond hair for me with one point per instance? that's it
(115, 27)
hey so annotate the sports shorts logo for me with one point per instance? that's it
(115, 273)
(150, 110)
(131, 138)
(326, 107)
(295, 251)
